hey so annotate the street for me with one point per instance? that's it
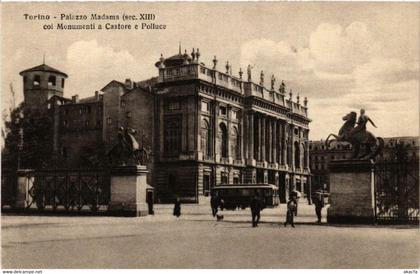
(196, 240)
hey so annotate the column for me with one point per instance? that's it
(275, 144)
(263, 132)
(259, 147)
(270, 140)
(284, 144)
(251, 137)
(292, 147)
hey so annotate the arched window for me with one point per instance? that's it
(205, 138)
(37, 80)
(51, 80)
(223, 140)
(297, 155)
(235, 144)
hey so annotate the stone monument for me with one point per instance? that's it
(352, 181)
(351, 192)
(128, 176)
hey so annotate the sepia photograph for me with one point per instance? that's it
(209, 135)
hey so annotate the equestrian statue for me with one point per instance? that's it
(127, 150)
(358, 135)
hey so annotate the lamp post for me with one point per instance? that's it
(19, 122)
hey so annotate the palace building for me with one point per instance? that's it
(202, 125)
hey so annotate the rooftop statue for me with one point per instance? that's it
(127, 150)
(358, 135)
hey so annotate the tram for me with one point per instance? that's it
(239, 196)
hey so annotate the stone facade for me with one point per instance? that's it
(202, 127)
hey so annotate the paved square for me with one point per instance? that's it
(196, 240)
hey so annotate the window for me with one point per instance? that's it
(64, 152)
(234, 115)
(297, 155)
(205, 106)
(88, 109)
(65, 123)
(235, 144)
(122, 103)
(86, 123)
(80, 111)
(225, 178)
(205, 138)
(62, 83)
(236, 180)
(109, 120)
(51, 80)
(223, 111)
(37, 80)
(172, 135)
(128, 114)
(223, 140)
(174, 105)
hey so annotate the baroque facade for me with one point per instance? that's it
(202, 126)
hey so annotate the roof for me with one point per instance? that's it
(91, 99)
(175, 60)
(246, 186)
(45, 68)
(112, 83)
(58, 97)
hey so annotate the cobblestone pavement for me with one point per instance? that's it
(196, 240)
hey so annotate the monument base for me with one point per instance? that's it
(25, 181)
(128, 191)
(351, 192)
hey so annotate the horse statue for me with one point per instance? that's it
(127, 150)
(357, 138)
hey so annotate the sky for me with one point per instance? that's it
(341, 56)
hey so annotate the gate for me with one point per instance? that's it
(69, 190)
(397, 189)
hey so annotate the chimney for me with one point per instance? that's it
(128, 83)
(75, 98)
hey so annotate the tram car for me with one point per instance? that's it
(239, 196)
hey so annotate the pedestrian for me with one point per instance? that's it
(319, 204)
(177, 208)
(255, 209)
(214, 203)
(291, 210)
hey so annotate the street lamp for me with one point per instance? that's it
(19, 123)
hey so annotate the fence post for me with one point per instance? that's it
(25, 181)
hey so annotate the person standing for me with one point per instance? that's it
(177, 208)
(291, 210)
(214, 203)
(319, 204)
(255, 210)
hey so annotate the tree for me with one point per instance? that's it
(28, 140)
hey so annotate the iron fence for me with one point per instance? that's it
(69, 190)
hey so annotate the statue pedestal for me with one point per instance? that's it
(25, 181)
(351, 192)
(128, 191)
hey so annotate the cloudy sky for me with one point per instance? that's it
(342, 56)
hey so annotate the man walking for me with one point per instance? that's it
(291, 210)
(255, 209)
(214, 203)
(319, 204)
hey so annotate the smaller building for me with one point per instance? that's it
(320, 156)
